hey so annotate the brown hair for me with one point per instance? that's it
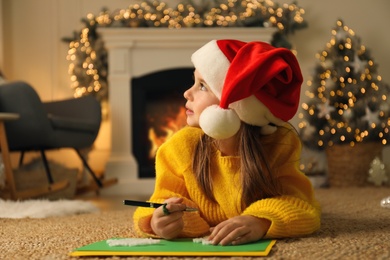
(257, 181)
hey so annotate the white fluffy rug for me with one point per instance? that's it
(44, 208)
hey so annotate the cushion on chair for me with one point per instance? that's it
(71, 124)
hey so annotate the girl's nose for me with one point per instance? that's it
(186, 94)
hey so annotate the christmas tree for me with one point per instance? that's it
(347, 101)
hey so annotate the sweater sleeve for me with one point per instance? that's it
(296, 212)
(173, 161)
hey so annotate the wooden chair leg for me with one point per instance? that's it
(21, 158)
(7, 162)
(10, 181)
(98, 182)
(91, 172)
(47, 168)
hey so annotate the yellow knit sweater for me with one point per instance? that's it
(295, 213)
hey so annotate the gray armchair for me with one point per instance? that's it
(71, 123)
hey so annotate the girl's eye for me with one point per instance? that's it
(202, 87)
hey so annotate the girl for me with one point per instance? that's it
(237, 161)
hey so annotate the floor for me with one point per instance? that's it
(106, 203)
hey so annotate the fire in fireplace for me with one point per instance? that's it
(157, 113)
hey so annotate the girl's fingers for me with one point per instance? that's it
(172, 208)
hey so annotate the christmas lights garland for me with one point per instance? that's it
(88, 57)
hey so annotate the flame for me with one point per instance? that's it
(173, 125)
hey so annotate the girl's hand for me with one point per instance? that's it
(239, 230)
(171, 225)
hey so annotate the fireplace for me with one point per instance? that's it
(134, 53)
(157, 113)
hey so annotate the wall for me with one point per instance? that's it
(33, 48)
(34, 52)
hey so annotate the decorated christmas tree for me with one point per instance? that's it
(347, 101)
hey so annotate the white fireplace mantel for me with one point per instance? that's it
(133, 52)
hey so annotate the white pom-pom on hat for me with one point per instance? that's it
(219, 123)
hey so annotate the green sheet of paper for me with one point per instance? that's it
(178, 247)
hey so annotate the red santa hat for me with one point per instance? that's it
(255, 82)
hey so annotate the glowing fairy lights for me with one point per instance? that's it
(88, 57)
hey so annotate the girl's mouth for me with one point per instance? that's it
(189, 112)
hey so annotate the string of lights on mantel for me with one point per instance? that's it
(348, 102)
(88, 58)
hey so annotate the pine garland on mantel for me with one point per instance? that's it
(88, 57)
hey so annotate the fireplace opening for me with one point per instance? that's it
(157, 113)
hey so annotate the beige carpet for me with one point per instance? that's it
(354, 226)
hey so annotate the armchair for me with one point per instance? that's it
(71, 123)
